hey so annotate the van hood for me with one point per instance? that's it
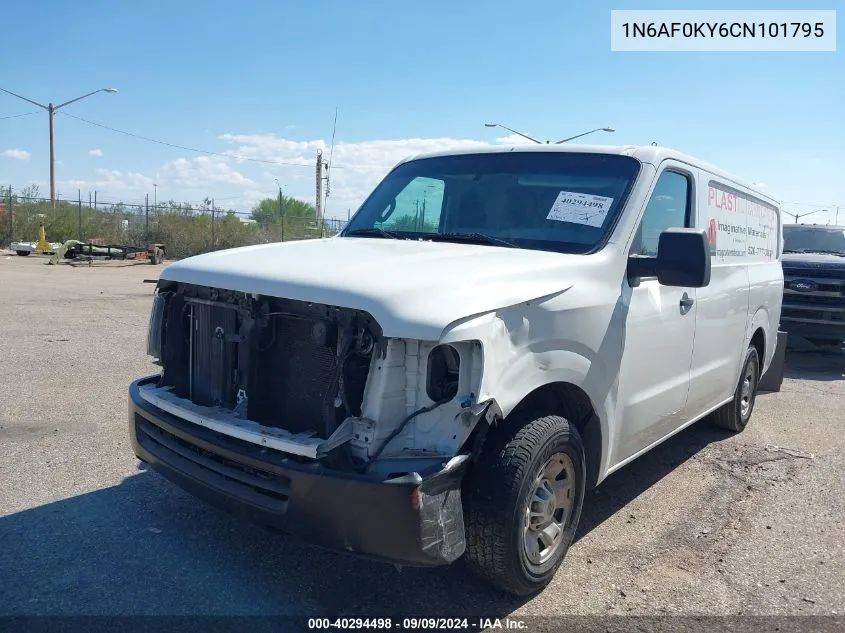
(413, 288)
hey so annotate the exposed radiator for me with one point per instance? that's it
(212, 357)
(277, 368)
(297, 378)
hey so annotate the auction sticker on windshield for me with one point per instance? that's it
(580, 208)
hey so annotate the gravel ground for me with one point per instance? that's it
(707, 523)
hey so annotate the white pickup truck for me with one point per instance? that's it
(493, 333)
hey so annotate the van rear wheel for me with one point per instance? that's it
(523, 502)
(735, 414)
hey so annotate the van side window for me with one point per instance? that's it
(667, 208)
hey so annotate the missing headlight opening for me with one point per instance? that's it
(444, 365)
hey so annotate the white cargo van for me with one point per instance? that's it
(493, 333)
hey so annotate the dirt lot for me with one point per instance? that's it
(707, 523)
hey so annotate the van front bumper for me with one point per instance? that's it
(414, 520)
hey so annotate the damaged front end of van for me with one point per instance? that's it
(307, 418)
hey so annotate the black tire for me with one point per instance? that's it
(22, 253)
(497, 492)
(734, 415)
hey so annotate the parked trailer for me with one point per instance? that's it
(81, 251)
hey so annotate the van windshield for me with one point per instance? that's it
(560, 201)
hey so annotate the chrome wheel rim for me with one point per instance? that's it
(746, 393)
(548, 509)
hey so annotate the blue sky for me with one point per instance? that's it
(262, 79)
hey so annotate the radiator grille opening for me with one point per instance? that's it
(277, 362)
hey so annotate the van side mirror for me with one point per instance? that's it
(683, 260)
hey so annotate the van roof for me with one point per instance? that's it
(652, 154)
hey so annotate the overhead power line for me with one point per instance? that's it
(15, 116)
(810, 204)
(184, 147)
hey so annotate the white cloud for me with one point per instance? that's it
(127, 179)
(357, 167)
(201, 172)
(110, 184)
(95, 152)
(240, 183)
(17, 154)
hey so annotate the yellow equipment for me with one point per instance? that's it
(42, 246)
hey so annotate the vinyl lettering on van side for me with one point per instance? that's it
(740, 228)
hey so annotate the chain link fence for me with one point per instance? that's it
(184, 229)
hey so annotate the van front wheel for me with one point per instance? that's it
(523, 501)
(735, 414)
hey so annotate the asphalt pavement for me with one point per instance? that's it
(707, 523)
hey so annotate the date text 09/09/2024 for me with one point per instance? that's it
(416, 624)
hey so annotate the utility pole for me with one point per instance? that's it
(319, 198)
(147, 216)
(79, 224)
(281, 210)
(51, 111)
(95, 201)
(11, 219)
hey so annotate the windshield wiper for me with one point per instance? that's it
(469, 237)
(374, 231)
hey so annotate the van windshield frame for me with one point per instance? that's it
(566, 202)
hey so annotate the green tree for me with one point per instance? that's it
(410, 222)
(267, 211)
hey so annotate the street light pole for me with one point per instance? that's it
(51, 111)
(797, 216)
(598, 129)
(505, 127)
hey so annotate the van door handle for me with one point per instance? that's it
(686, 302)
